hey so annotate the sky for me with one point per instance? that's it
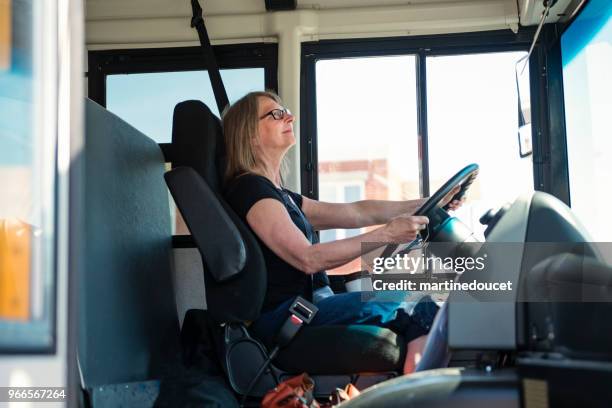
(147, 100)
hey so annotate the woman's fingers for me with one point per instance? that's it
(420, 219)
(447, 198)
(456, 204)
(418, 223)
(405, 228)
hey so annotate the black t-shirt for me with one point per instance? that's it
(284, 281)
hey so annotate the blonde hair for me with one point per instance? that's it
(240, 127)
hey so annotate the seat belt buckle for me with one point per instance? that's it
(302, 312)
(303, 309)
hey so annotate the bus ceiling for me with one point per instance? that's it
(157, 23)
(146, 24)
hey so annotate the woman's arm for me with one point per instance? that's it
(271, 222)
(364, 213)
(323, 215)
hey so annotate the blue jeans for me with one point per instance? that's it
(405, 313)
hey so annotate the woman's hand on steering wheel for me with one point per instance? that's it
(405, 228)
(448, 199)
(456, 204)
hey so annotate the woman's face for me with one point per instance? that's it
(274, 135)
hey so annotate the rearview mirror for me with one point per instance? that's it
(524, 139)
(524, 108)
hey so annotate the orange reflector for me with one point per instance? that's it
(5, 34)
(15, 254)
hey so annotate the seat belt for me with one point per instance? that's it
(320, 286)
(197, 22)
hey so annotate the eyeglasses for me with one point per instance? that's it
(277, 114)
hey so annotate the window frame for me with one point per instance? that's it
(40, 336)
(176, 59)
(549, 170)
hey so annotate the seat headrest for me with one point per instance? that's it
(204, 152)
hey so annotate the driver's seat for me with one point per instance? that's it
(235, 277)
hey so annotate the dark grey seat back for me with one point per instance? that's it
(128, 327)
(233, 294)
(223, 251)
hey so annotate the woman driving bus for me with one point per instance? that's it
(258, 133)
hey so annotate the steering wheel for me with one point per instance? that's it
(465, 177)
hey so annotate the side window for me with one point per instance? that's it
(143, 86)
(401, 125)
(586, 47)
(28, 142)
(147, 100)
(472, 118)
(367, 139)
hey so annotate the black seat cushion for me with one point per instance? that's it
(352, 349)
